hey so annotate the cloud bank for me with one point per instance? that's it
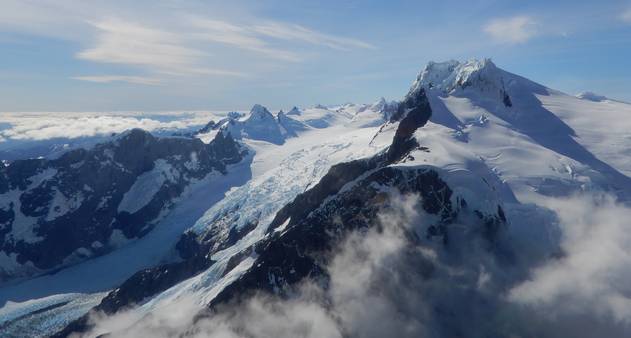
(383, 282)
(46, 126)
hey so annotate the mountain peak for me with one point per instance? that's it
(259, 110)
(451, 75)
(456, 77)
(294, 111)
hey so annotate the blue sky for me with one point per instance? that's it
(72, 55)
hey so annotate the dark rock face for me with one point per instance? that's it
(413, 112)
(300, 250)
(61, 211)
(506, 99)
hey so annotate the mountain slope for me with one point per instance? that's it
(89, 202)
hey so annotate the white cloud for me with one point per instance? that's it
(513, 30)
(120, 78)
(182, 51)
(592, 276)
(130, 35)
(359, 301)
(385, 283)
(251, 37)
(157, 50)
(239, 36)
(46, 126)
(626, 16)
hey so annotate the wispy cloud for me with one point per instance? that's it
(257, 37)
(626, 16)
(294, 32)
(157, 50)
(513, 30)
(239, 36)
(120, 78)
(183, 51)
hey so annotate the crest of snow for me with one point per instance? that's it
(258, 112)
(261, 125)
(321, 117)
(453, 75)
(147, 185)
(370, 115)
(208, 137)
(379, 105)
(290, 127)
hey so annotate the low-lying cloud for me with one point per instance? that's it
(592, 275)
(21, 131)
(384, 282)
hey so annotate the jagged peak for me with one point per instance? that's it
(455, 77)
(133, 135)
(259, 112)
(235, 115)
(452, 75)
(294, 111)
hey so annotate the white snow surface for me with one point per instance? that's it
(257, 188)
(147, 185)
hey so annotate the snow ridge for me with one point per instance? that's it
(457, 78)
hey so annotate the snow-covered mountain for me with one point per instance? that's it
(455, 209)
(86, 203)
